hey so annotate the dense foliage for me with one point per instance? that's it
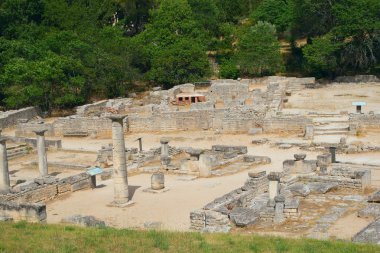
(62, 53)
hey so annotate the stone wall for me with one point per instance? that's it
(23, 211)
(291, 123)
(57, 144)
(26, 129)
(366, 121)
(33, 192)
(357, 79)
(90, 125)
(231, 120)
(213, 217)
(11, 118)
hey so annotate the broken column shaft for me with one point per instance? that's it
(41, 150)
(121, 194)
(165, 159)
(4, 172)
(333, 154)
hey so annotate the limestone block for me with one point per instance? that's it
(84, 221)
(322, 188)
(206, 164)
(375, 197)
(299, 189)
(256, 159)
(224, 148)
(189, 165)
(371, 210)
(254, 131)
(23, 211)
(243, 217)
(370, 234)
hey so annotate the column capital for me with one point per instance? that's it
(3, 139)
(116, 117)
(40, 131)
(164, 140)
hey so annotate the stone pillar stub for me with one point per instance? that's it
(164, 147)
(41, 151)
(165, 159)
(4, 171)
(120, 177)
(333, 154)
(279, 216)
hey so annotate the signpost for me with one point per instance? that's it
(359, 106)
(93, 172)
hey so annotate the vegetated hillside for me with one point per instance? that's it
(24, 237)
(60, 53)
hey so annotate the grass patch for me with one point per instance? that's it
(25, 237)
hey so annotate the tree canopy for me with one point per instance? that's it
(62, 53)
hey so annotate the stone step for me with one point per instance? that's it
(331, 120)
(342, 133)
(327, 128)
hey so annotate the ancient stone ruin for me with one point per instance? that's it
(179, 158)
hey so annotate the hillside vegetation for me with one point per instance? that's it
(62, 53)
(24, 237)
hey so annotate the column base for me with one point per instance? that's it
(121, 204)
(150, 190)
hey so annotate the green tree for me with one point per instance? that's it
(358, 28)
(321, 56)
(259, 51)
(52, 82)
(276, 12)
(175, 45)
(179, 63)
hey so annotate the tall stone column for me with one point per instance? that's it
(41, 150)
(4, 172)
(120, 177)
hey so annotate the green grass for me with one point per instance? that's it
(25, 237)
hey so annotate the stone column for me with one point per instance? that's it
(41, 150)
(120, 177)
(140, 144)
(4, 172)
(165, 159)
(309, 132)
(279, 216)
(333, 155)
(158, 181)
(299, 164)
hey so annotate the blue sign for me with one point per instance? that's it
(94, 171)
(359, 103)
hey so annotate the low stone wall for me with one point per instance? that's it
(90, 125)
(357, 79)
(292, 123)
(343, 182)
(33, 192)
(23, 211)
(33, 142)
(365, 121)
(231, 120)
(26, 129)
(213, 217)
(11, 118)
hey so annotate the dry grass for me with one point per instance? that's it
(24, 237)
